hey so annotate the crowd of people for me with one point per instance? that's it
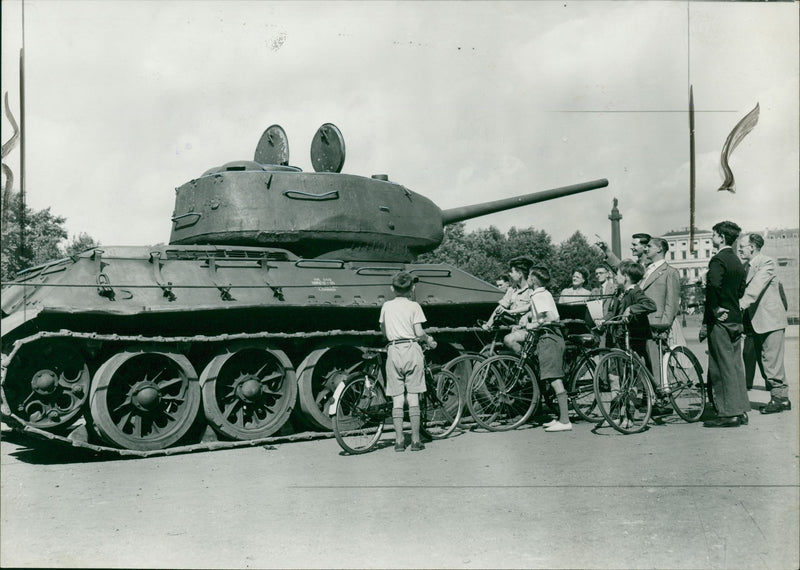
(744, 322)
(744, 319)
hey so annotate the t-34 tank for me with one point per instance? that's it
(271, 278)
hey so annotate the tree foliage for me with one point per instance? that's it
(485, 252)
(575, 252)
(43, 236)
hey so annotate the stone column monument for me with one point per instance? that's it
(615, 217)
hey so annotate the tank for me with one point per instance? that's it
(240, 327)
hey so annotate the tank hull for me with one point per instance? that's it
(91, 336)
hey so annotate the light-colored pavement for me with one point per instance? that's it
(676, 496)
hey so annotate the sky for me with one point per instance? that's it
(462, 102)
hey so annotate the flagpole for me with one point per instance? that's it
(22, 150)
(691, 169)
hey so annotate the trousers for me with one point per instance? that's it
(726, 369)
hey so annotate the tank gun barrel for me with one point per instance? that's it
(454, 215)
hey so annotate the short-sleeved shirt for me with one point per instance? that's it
(399, 317)
(516, 299)
(404, 362)
(542, 302)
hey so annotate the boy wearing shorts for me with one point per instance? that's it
(550, 347)
(401, 323)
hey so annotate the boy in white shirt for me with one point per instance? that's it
(401, 323)
(550, 346)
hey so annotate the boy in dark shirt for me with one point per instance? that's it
(633, 305)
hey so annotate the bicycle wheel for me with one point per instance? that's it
(361, 414)
(580, 389)
(502, 393)
(687, 391)
(622, 391)
(441, 405)
(463, 366)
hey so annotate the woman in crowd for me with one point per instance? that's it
(578, 293)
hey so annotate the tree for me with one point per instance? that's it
(43, 233)
(531, 242)
(485, 253)
(570, 254)
(80, 243)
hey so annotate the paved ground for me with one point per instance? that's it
(677, 496)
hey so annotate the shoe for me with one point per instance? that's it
(776, 405)
(743, 420)
(398, 447)
(660, 410)
(417, 446)
(550, 423)
(558, 426)
(732, 421)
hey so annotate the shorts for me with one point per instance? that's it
(405, 369)
(550, 351)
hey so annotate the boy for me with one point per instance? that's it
(550, 346)
(503, 282)
(516, 301)
(633, 304)
(401, 323)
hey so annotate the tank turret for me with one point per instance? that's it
(325, 214)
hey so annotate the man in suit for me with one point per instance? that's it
(662, 284)
(606, 286)
(765, 310)
(748, 345)
(725, 284)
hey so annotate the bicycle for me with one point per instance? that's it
(505, 390)
(625, 390)
(464, 364)
(361, 407)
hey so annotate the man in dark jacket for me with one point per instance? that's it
(725, 284)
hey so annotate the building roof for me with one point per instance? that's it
(685, 232)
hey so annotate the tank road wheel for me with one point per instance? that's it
(317, 377)
(47, 384)
(144, 400)
(248, 392)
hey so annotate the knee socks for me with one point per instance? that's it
(413, 415)
(397, 420)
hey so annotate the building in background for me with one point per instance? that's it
(692, 265)
(783, 245)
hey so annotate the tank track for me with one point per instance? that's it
(79, 436)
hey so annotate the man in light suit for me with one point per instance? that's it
(662, 284)
(725, 285)
(762, 303)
